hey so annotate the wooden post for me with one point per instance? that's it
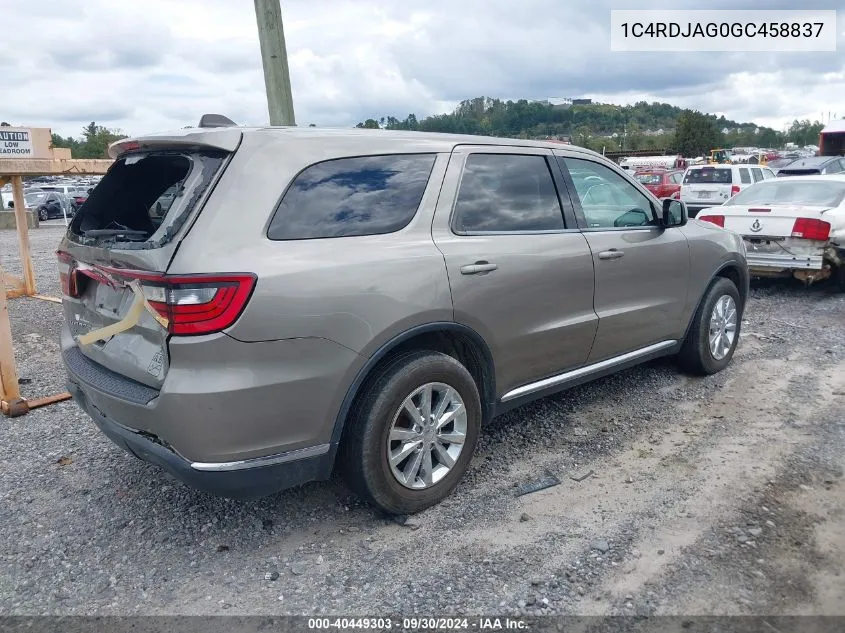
(274, 57)
(23, 235)
(9, 390)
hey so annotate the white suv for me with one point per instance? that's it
(706, 186)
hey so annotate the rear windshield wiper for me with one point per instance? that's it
(115, 233)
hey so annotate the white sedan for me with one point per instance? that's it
(791, 226)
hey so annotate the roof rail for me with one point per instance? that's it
(216, 120)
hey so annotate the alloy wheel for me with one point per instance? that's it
(427, 435)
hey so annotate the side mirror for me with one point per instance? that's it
(674, 213)
(11, 204)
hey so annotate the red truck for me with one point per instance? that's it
(832, 139)
(663, 183)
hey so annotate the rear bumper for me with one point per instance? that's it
(783, 261)
(245, 479)
(236, 419)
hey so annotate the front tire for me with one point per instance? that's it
(714, 332)
(411, 435)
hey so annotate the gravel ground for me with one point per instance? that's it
(714, 496)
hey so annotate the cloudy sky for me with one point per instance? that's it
(152, 65)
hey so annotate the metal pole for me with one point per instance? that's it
(274, 57)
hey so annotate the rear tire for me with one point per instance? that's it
(714, 332)
(383, 411)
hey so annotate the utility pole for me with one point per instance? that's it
(274, 57)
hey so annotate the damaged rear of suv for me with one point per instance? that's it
(138, 341)
(244, 305)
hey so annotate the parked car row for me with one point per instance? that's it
(49, 201)
(791, 217)
(703, 186)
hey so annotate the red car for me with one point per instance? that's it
(663, 183)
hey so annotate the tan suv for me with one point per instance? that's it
(370, 296)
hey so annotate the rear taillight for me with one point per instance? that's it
(192, 304)
(68, 275)
(811, 229)
(734, 190)
(718, 220)
(198, 304)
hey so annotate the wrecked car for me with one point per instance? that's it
(792, 227)
(250, 308)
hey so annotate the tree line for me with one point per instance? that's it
(598, 126)
(92, 143)
(603, 127)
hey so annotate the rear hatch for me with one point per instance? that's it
(707, 186)
(120, 243)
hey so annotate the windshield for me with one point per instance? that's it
(790, 192)
(649, 179)
(708, 175)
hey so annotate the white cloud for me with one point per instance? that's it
(147, 65)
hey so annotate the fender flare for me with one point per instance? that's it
(488, 390)
(742, 291)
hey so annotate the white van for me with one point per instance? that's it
(706, 186)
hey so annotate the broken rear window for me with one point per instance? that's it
(145, 198)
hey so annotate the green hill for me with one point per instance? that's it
(597, 125)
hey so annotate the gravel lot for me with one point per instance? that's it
(716, 496)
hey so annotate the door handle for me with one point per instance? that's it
(478, 268)
(611, 254)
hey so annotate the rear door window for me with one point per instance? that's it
(145, 198)
(365, 195)
(744, 176)
(507, 193)
(709, 175)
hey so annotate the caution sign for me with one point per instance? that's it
(15, 142)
